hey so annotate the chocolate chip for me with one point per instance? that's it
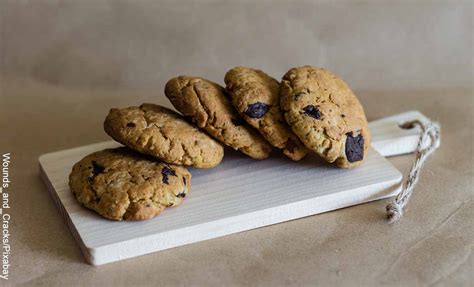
(312, 111)
(131, 125)
(354, 147)
(181, 194)
(167, 171)
(97, 168)
(238, 122)
(184, 180)
(257, 110)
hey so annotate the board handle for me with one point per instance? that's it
(390, 137)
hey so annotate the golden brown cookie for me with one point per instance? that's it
(205, 103)
(122, 184)
(256, 97)
(324, 113)
(162, 133)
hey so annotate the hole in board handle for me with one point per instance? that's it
(406, 125)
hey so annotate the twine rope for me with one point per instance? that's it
(431, 131)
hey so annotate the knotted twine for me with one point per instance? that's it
(430, 130)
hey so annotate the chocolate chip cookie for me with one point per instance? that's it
(324, 113)
(122, 184)
(206, 104)
(256, 97)
(164, 134)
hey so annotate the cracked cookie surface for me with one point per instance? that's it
(164, 134)
(256, 97)
(324, 113)
(121, 184)
(206, 104)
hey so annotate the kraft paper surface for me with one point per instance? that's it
(65, 63)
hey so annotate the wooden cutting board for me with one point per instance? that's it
(240, 194)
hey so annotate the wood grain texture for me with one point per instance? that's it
(240, 194)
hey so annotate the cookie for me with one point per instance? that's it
(121, 184)
(206, 104)
(164, 134)
(324, 113)
(256, 97)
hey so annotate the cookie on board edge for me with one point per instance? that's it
(121, 184)
(325, 114)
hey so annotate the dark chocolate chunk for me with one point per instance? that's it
(184, 180)
(167, 171)
(354, 147)
(238, 122)
(312, 111)
(181, 194)
(97, 168)
(257, 110)
(131, 125)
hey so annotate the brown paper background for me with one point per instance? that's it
(63, 64)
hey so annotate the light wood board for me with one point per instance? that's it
(240, 194)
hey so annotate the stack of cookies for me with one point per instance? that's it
(311, 110)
